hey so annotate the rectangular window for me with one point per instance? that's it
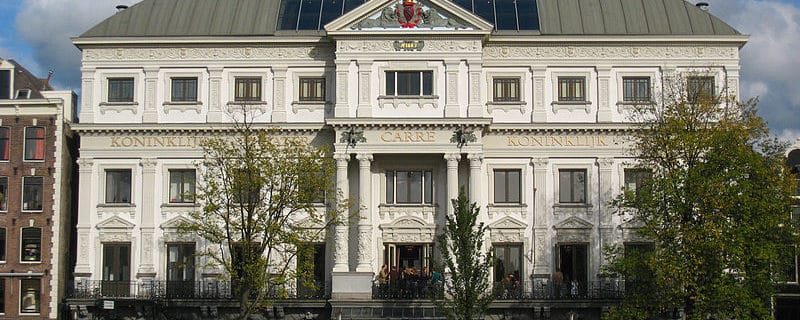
(32, 193)
(118, 186)
(29, 295)
(508, 263)
(409, 187)
(409, 83)
(3, 194)
(635, 179)
(312, 89)
(34, 143)
(699, 87)
(311, 270)
(507, 186)
(184, 89)
(506, 90)
(4, 146)
(2, 246)
(571, 89)
(572, 186)
(248, 89)
(23, 94)
(181, 186)
(636, 89)
(31, 250)
(2, 296)
(5, 84)
(120, 89)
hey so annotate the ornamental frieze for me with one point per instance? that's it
(356, 46)
(232, 53)
(611, 52)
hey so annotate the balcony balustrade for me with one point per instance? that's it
(165, 290)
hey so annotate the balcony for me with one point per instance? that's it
(594, 290)
(408, 290)
(179, 290)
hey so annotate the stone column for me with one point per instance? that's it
(452, 179)
(540, 217)
(476, 108)
(147, 224)
(452, 108)
(83, 268)
(340, 254)
(150, 114)
(364, 89)
(87, 95)
(539, 113)
(606, 190)
(475, 161)
(365, 213)
(279, 98)
(342, 108)
(604, 109)
(214, 98)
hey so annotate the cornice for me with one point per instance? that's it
(195, 128)
(284, 38)
(650, 51)
(739, 40)
(417, 122)
(562, 127)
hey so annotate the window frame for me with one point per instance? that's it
(572, 171)
(424, 75)
(37, 298)
(38, 142)
(312, 82)
(23, 244)
(5, 146)
(505, 97)
(184, 85)
(3, 245)
(693, 92)
(2, 296)
(25, 192)
(248, 80)
(107, 181)
(562, 97)
(4, 193)
(506, 185)
(424, 193)
(639, 178)
(635, 81)
(123, 80)
(507, 248)
(181, 199)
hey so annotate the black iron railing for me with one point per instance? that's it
(408, 290)
(158, 289)
(546, 290)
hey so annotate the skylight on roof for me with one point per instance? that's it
(312, 14)
(505, 14)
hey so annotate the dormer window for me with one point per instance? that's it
(23, 94)
(5, 84)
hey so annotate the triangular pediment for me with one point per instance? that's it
(115, 222)
(406, 223)
(508, 223)
(311, 223)
(632, 224)
(408, 17)
(175, 223)
(574, 223)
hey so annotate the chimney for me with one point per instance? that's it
(121, 7)
(702, 5)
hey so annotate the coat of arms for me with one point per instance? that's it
(409, 14)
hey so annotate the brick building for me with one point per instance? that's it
(35, 171)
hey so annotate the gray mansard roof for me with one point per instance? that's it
(213, 18)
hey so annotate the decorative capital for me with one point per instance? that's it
(364, 157)
(475, 159)
(341, 157)
(540, 163)
(149, 163)
(605, 163)
(452, 158)
(352, 137)
(85, 163)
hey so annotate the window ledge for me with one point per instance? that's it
(131, 106)
(406, 205)
(419, 101)
(183, 106)
(32, 211)
(506, 106)
(180, 205)
(507, 205)
(310, 106)
(572, 105)
(572, 205)
(116, 205)
(241, 106)
(626, 106)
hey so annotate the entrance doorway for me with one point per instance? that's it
(116, 269)
(573, 262)
(405, 255)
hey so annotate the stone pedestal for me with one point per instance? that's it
(351, 285)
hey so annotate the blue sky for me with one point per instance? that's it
(36, 33)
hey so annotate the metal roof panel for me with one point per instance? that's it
(656, 17)
(592, 17)
(613, 17)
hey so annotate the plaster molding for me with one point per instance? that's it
(213, 54)
(613, 52)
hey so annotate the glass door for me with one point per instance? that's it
(573, 261)
(180, 270)
(116, 270)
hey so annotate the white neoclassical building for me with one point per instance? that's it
(523, 104)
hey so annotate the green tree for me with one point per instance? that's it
(716, 208)
(256, 186)
(467, 292)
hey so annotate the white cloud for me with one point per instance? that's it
(49, 25)
(770, 67)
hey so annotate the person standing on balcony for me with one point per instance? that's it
(558, 282)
